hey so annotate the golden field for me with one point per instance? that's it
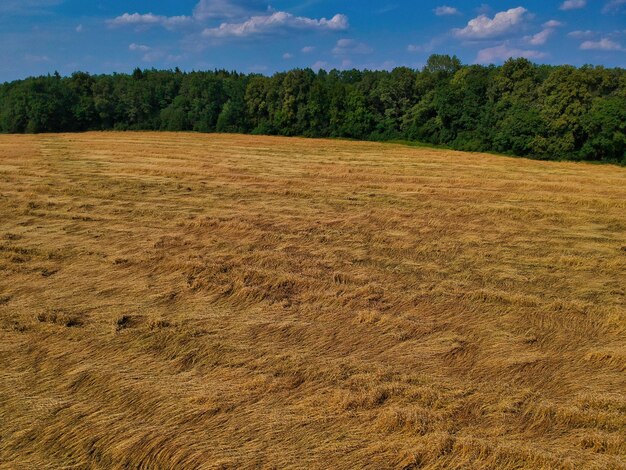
(222, 301)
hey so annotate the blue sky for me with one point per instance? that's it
(41, 36)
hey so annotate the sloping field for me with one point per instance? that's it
(211, 301)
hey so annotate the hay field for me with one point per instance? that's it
(219, 301)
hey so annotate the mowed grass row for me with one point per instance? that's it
(223, 301)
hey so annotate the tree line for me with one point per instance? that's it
(519, 108)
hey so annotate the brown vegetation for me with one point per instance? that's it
(213, 301)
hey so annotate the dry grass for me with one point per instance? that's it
(211, 301)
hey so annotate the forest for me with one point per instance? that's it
(518, 108)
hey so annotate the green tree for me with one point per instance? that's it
(519, 108)
(605, 126)
(564, 98)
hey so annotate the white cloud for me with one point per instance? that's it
(573, 4)
(603, 44)
(280, 20)
(320, 64)
(204, 10)
(581, 34)
(244, 18)
(149, 54)
(149, 19)
(80, 28)
(552, 24)
(540, 38)
(307, 49)
(504, 52)
(138, 48)
(446, 11)
(503, 23)
(350, 46)
(287, 56)
(428, 47)
(613, 5)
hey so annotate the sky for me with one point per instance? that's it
(97, 36)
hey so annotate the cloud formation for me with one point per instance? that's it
(149, 54)
(573, 4)
(138, 48)
(581, 34)
(484, 27)
(350, 46)
(503, 52)
(426, 47)
(552, 24)
(320, 64)
(604, 44)
(149, 19)
(446, 11)
(542, 37)
(276, 22)
(245, 18)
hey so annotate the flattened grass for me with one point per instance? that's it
(223, 301)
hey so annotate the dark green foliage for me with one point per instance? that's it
(519, 108)
(605, 126)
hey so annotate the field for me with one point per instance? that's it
(224, 301)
